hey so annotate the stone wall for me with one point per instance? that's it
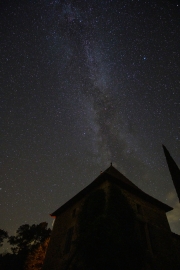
(56, 256)
(152, 224)
(154, 228)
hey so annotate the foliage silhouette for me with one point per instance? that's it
(3, 235)
(36, 257)
(27, 239)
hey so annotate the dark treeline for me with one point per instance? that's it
(28, 247)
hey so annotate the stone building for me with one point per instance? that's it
(89, 227)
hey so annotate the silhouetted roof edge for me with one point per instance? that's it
(176, 236)
(123, 182)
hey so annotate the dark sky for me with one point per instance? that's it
(84, 83)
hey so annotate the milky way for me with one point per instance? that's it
(86, 83)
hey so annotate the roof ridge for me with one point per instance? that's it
(112, 174)
(117, 174)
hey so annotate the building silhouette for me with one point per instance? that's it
(112, 224)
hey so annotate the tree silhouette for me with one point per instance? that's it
(28, 238)
(3, 235)
(36, 257)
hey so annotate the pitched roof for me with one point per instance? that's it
(113, 175)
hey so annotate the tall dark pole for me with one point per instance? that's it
(174, 171)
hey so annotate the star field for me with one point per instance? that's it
(84, 83)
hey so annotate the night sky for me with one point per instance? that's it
(83, 84)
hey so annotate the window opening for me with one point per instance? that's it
(74, 213)
(139, 209)
(68, 240)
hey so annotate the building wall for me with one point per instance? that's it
(56, 256)
(152, 225)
